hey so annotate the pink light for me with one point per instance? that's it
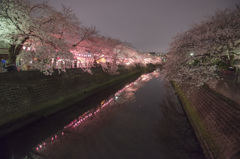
(37, 149)
(52, 138)
(88, 114)
(55, 136)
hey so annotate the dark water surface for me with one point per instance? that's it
(142, 120)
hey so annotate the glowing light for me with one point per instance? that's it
(102, 102)
(37, 149)
(191, 54)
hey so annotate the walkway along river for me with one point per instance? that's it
(142, 120)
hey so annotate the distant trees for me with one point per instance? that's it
(50, 35)
(194, 55)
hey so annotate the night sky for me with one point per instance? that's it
(148, 25)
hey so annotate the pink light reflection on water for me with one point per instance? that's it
(76, 122)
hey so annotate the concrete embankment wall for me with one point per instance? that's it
(25, 96)
(228, 89)
(216, 121)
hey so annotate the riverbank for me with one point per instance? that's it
(215, 120)
(41, 98)
(143, 115)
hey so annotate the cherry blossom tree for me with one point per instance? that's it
(16, 25)
(51, 44)
(40, 36)
(105, 48)
(48, 32)
(194, 55)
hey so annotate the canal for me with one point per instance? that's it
(143, 119)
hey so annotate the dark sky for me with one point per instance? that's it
(148, 25)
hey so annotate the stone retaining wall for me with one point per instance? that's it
(215, 121)
(25, 91)
(229, 89)
(229, 86)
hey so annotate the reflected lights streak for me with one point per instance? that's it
(92, 112)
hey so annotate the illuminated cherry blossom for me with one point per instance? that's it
(43, 38)
(194, 55)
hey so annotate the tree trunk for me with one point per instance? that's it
(230, 61)
(14, 50)
(230, 58)
(237, 75)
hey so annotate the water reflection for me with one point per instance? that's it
(126, 94)
(178, 137)
(142, 120)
